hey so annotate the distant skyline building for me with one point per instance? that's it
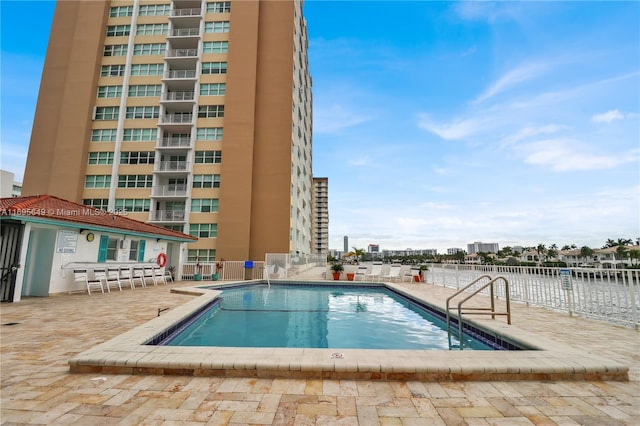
(191, 115)
(9, 187)
(346, 244)
(480, 247)
(454, 250)
(373, 248)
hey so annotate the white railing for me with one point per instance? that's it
(611, 295)
(181, 53)
(175, 142)
(185, 32)
(171, 166)
(179, 118)
(180, 74)
(170, 190)
(186, 12)
(168, 215)
(178, 96)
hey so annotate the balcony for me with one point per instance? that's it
(179, 122)
(181, 53)
(185, 32)
(168, 216)
(172, 166)
(175, 142)
(170, 191)
(186, 12)
(180, 75)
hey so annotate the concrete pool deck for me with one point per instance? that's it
(128, 354)
(37, 387)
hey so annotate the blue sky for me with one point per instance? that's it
(443, 123)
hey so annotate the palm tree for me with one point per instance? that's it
(621, 252)
(586, 253)
(553, 251)
(542, 251)
(634, 255)
(359, 253)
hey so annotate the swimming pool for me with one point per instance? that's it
(304, 316)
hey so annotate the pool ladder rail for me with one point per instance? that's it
(478, 310)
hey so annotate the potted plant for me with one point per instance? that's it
(423, 274)
(336, 270)
(197, 275)
(350, 271)
(219, 266)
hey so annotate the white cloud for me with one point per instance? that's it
(564, 155)
(529, 132)
(512, 78)
(334, 118)
(455, 129)
(608, 117)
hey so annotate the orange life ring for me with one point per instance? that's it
(162, 260)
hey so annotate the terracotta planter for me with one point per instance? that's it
(350, 276)
(336, 276)
(417, 278)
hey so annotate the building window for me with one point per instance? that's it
(206, 181)
(101, 158)
(145, 157)
(152, 29)
(107, 113)
(213, 89)
(140, 135)
(179, 228)
(214, 68)
(115, 50)
(203, 230)
(132, 205)
(118, 30)
(154, 10)
(216, 27)
(103, 135)
(215, 47)
(145, 90)
(209, 134)
(98, 203)
(112, 249)
(149, 49)
(203, 255)
(147, 69)
(219, 7)
(97, 181)
(135, 181)
(120, 11)
(143, 112)
(208, 157)
(204, 205)
(211, 111)
(112, 71)
(133, 249)
(109, 91)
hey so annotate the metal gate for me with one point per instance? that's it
(10, 244)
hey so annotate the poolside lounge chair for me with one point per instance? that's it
(149, 274)
(81, 276)
(361, 273)
(158, 275)
(376, 272)
(113, 279)
(100, 274)
(125, 276)
(393, 274)
(138, 275)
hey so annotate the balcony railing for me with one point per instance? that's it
(175, 142)
(186, 12)
(185, 32)
(180, 74)
(170, 190)
(178, 96)
(180, 53)
(168, 215)
(178, 118)
(172, 166)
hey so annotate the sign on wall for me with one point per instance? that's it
(67, 241)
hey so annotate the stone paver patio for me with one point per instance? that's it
(37, 387)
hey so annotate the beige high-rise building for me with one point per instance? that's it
(193, 115)
(320, 212)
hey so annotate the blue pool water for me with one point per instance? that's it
(301, 316)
